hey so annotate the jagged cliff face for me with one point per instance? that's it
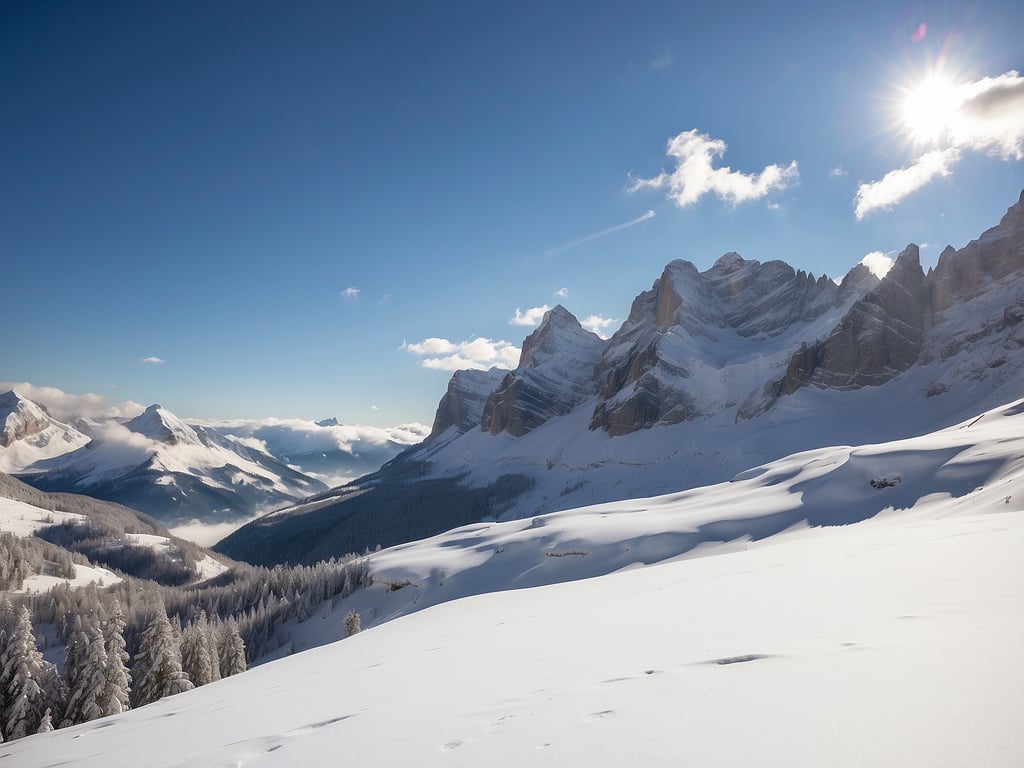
(555, 373)
(699, 342)
(911, 317)
(743, 334)
(463, 404)
(19, 419)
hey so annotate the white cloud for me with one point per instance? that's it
(478, 354)
(597, 324)
(530, 317)
(152, 360)
(561, 293)
(65, 407)
(991, 116)
(983, 116)
(286, 437)
(878, 263)
(896, 185)
(694, 176)
(837, 171)
(351, 292)
(374, 407)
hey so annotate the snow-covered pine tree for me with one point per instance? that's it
(197, 655)
(23, 667)
(232, 651)
(117, 689)
(353, 624)
(87, 675)
(157, 671)
(46, 724)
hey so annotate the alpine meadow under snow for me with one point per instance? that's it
(843, 606)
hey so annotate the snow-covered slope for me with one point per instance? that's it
(712, 372)
(885, 632)
(173, 471)
(29, 434)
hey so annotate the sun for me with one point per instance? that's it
(930, 109)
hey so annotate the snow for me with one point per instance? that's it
(206, 568)
(23, 519)
(894, 640)
(84, 574)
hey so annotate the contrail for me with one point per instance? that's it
(602, 233)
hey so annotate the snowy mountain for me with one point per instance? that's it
(842, 592)
(712, 372)
(327, 450)
(29, 434)
(176, 472)
(101, 535)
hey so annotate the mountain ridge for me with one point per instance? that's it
(711, 373)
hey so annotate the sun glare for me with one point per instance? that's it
(930, 108)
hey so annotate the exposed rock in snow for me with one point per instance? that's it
(463, 404)
(555, 373)
(28, 433)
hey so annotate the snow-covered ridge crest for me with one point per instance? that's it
(157, 463)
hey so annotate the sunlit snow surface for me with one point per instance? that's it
(892, 641)
(23, 519)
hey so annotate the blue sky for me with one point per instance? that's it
(271, 209)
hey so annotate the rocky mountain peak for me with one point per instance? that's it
(994, 256)
(157, 423)
(556, 371)
(20, 418)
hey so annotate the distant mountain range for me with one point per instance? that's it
(181, 472)
(712, 373)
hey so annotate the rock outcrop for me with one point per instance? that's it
(19, 418)
(462, 406)
(555, 373)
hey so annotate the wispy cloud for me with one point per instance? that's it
(351, 292)
(478, 354)
(530, 317)
(878, 262)
(984, 116)
(152, 360)
(896, 185)
(374, 407)
(837, 171)
(694, 176)
(561, 293)
(587, 238)
(597, 324)
(662, 61)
